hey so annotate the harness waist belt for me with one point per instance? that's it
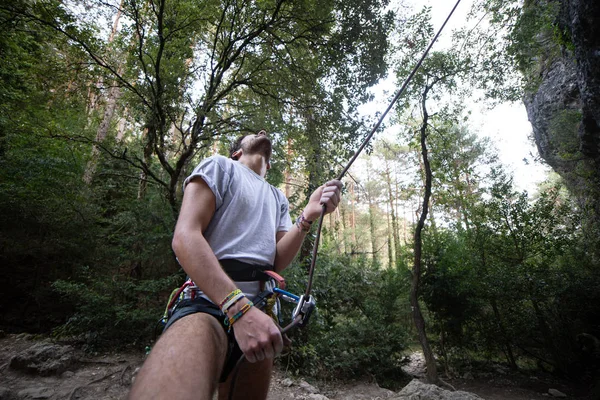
(244, 272)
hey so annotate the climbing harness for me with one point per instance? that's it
(266, 300)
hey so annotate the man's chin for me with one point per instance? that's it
(261, 145)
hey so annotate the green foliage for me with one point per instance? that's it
(90, 258)
(113, 311)
(45, 225)
(361, 324)
(507, 286)
(526, 38)
(503, 274)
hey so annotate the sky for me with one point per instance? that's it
(506, 125)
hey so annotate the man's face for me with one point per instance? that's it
(258, 144)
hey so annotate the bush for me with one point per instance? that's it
(114, 312)
(360, 326)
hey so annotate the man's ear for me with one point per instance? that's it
(268, 165)
(236, 154)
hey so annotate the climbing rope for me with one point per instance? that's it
(307, 297)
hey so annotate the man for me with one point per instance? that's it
(229, 215)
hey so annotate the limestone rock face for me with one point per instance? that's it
(417, 390)
(585, 31)
(557, 97)
(565, 109)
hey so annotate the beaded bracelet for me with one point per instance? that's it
(232, 320)
(230, 296)
(300, 223)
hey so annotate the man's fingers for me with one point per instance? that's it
(260, 355)
(269, 349)
(250, 357)
(331, 198)
(335, 183)
(258, 337)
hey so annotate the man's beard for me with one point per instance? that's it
(259, 145)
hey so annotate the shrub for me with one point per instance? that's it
(360, 326)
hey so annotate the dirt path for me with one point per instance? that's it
(109, 376)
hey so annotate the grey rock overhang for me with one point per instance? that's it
(558, 92)
(564, 109)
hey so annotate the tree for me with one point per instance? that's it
(242, 54)
(439, 74)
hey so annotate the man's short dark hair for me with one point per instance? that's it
(235, 146)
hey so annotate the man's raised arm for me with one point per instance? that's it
(288, 243)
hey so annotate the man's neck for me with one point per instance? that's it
(256, 162)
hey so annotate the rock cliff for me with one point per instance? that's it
(564, 110)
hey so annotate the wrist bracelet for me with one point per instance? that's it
(301, 222)
(304, 219)
(230, 296)
(232, 320)
(231, 302)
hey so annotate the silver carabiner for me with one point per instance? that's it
(304, 308)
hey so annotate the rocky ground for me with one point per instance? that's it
(40, 369)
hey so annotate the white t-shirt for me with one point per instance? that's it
(249, 213)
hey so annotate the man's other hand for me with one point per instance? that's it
(329, 195)
(258, 336)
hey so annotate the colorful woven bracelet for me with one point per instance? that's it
(232, 320)
(232, 301)
(229, 297)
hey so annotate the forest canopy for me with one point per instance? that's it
(106, 107)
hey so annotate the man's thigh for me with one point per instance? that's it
(185, 363)
(250, 383)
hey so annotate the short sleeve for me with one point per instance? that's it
(215, 176)
(285, 221)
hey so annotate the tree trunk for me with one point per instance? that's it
(389, 240)
(432, 375)
(342, 209)
(288, 172)
(395, 230)
(509, 353)
(352, 219)
(111, 103)
(372, 230)
(143, 184)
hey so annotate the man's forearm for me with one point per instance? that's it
(288, 246)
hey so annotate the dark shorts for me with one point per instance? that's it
(201, 305)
